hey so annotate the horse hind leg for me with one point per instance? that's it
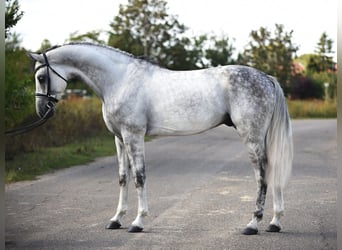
(134, 145)
(124, 176)
(258, 157)
(278, 209)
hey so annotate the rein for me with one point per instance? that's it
(33, 125)
(52, 100)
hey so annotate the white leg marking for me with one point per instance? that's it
(122, 205)
(142, 207)
(124, 176)
(278, 206)
(253, 224)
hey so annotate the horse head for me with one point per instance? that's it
(50, 84)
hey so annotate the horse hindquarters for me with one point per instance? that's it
(257, 153)
(269, 143)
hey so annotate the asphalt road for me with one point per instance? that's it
(201, 193)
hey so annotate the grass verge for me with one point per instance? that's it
(28, 166)
(306, 109)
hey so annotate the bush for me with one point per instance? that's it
(74, 119)
(306, 88)
(19, 87)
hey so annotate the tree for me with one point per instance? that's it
(144, 27)
(321, 61)
(12, 15)
(13, 42)
(272, 54)
(19, 87)
(91, 36)
(321, 66)
(220, 51)
(324, 45)
(46, 44)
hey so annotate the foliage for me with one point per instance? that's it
(46, 44)
(326, 77)
(306, 88)
(74, 119)
(91, 36)
(324, 45)
(12, 42)
(26, 166)
(19, 87)
(220, 52)
(182, 56)
(143, 27)
(320, 68)
(272, 54)
(312, 109)
(12, 15)
(321, 65)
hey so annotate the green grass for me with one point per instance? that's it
(307, 109)
(28, 166)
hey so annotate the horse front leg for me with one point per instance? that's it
(124, 176)
(134, 144)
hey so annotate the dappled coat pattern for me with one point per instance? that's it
(140, 98)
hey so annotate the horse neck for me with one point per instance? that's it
(99, 68)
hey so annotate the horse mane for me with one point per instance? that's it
(141, 58)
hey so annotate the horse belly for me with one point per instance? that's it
(184, 122)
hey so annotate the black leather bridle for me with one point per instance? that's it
(52, 101)
(48, 94)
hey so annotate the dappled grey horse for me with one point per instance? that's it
(140, 98)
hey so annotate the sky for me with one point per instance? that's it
(56, 20)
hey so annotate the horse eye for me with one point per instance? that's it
(41, 78)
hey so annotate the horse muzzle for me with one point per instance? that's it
(45, 106)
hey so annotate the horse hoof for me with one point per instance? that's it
(135, 229)
(250, 231)
(273, 229)
(113, 225)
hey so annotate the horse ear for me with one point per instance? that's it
(36, 57)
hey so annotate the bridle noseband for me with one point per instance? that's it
(52, 100)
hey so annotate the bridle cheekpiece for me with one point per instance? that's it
(48, 94)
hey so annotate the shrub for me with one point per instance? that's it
(19, 88)
(306, 88)
(74, 119)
